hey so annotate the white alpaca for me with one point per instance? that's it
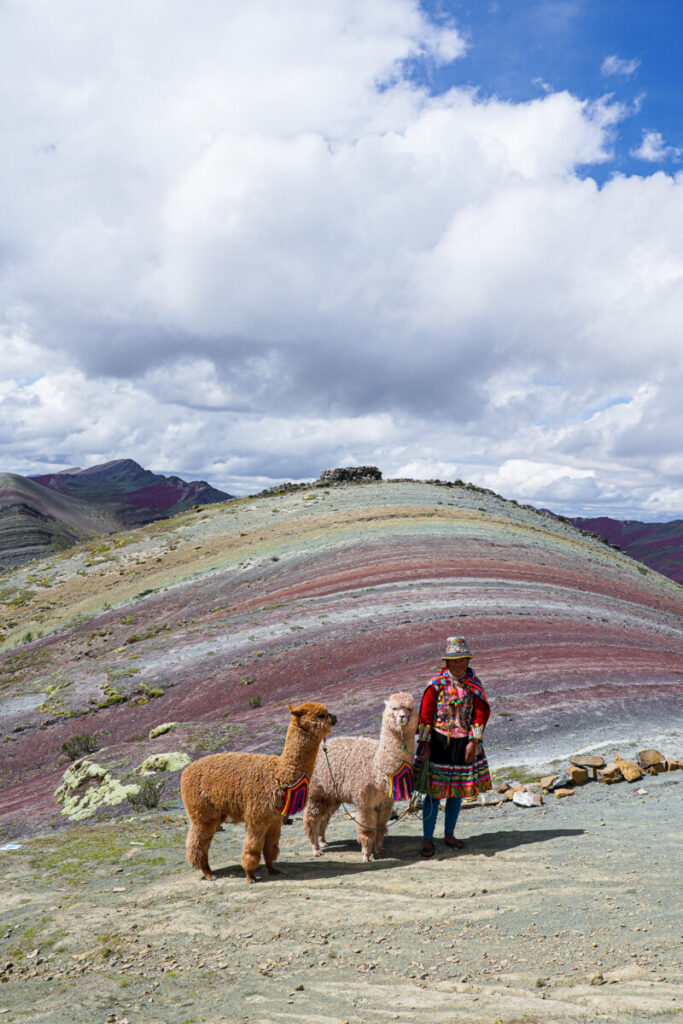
(362, 770)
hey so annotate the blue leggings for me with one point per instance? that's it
(430, 810)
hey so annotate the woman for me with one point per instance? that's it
(451, 763)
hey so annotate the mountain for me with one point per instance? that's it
(135, 495)
(48, 513)
(659, 545)
(35, 521)
(218, 618)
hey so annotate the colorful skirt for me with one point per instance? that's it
(446, 774)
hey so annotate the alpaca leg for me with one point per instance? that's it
(252, 849)
(271, 847)
(197, 846)
(383, 815)
(366, 831)
(312, 826)
(324, 822)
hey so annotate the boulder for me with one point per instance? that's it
(590, 761)
(503, 788)
(675, 764)
(524, 799)
(559, 793)
(648, 758)
(562, 780)
(578, 776)
(610, 773)
(548, 780)
(490, 799)
(629, 769)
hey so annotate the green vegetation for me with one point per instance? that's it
(79, 745)
(255, 701)
(148, 794)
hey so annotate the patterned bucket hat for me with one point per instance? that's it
(456, 647)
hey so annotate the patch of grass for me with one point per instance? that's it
(80, 745)
(148, 794)
(255, 701)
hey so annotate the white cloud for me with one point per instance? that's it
(614, 65)
(653, 148)
(249, 246)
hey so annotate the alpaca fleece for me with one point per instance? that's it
(251, 788)
(361, 775)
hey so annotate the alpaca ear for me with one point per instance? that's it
(297, 712)
(385, 703)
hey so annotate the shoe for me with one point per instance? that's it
(456, 844)
(427, 850)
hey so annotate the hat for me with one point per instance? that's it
(456, 647)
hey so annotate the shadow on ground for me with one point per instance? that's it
(397, 849)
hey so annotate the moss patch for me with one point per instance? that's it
(87, 786)
(159, 730)
(171, 762)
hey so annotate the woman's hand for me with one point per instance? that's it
(471, 751)
(425, 750)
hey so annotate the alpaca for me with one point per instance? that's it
(361, 775)
(251, 788)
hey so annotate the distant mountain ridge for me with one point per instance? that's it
(137, 495)
(659, 545)
(55, 510)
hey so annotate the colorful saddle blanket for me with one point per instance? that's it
(296, 797)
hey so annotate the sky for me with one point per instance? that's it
(247, 242)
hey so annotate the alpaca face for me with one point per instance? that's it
(400, 712)
(313, 718)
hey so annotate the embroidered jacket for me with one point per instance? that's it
(442, 710)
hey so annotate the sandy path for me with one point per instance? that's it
(513, 929)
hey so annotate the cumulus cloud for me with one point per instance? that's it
(250, 246)
(653, 148)
(614, 65)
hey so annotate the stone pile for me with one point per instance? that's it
(581, 770)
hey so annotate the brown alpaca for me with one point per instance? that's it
(251, 788)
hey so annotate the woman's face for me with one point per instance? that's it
(457, 666)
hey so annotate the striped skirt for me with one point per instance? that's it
(446, 773)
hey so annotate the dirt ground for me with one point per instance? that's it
(565, 913)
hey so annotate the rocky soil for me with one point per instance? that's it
(561, 914)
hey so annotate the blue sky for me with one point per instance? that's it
(518, 47)
(253, 241)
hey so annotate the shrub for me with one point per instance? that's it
(148, 794)
(79, 745)
(255, 701)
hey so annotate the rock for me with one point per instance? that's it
(503, 788)
(629, 769)
(610, 773)
(559, 793)
(562, 780)
(598, 979)
(510, 794)
(578, 776)
(547, 781)
(648, 758)
(525, 799)
(641, 792)
(490, 799)
(675, 764)
(349, 474)
(591, 761)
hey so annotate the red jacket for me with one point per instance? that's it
(480, 710)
